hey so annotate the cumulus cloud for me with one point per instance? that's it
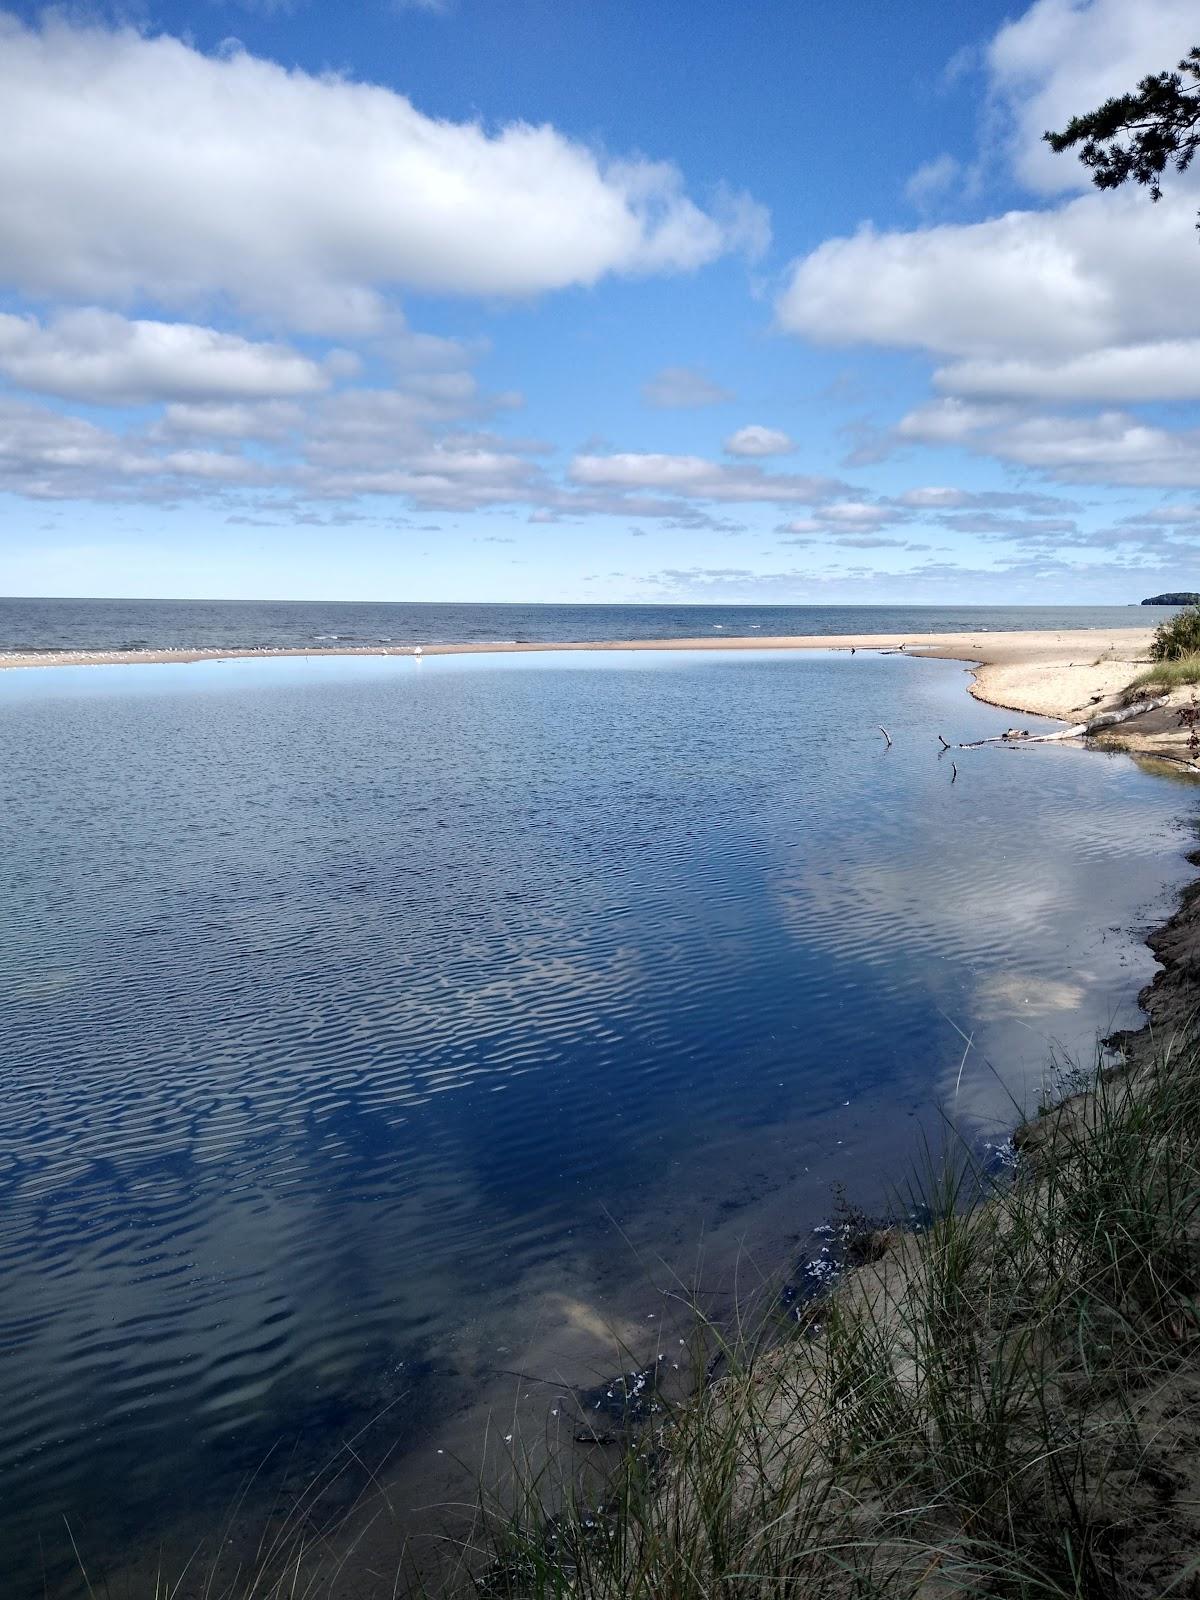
(97, 356)
(1101, 271)
(758, 441)
(303, 197)
(1065, 56)
(1094, 299)
(683, 389)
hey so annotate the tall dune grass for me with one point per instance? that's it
(1166, 675)
(1006, 1405)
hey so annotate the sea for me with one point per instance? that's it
(37, 626)
(392, 1049)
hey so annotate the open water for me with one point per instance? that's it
(50, 625)
(370, 1023)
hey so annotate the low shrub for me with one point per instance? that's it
(1178, 637)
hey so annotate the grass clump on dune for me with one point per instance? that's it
(1166, 675)
(1006, 1405)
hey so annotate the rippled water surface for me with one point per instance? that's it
(362, 1017)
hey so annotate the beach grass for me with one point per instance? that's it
(1166, 675)
(1005, 1404)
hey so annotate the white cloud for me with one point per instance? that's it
(1102, 271)
(1168, 369)
(857, 514)
(950, 421)
(758, 441)
(137, 167)
(47, 456)
(1094, 299)
(936, 497)
(100, 357)
(698, 478)
(933, 498)
(1170, 515)
(683, 389)
(270, 419)
(1067, 56)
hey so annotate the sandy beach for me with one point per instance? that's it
(1070, 675)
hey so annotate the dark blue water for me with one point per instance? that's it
(45, 625)
(370, 1024)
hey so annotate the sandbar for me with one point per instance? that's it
(1068, 674)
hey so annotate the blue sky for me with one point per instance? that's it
(554, 300)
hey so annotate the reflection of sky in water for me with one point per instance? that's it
(347, 1000)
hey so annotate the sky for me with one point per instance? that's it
(590, 300)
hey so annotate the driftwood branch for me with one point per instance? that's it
(1079, 730)
(887, 736)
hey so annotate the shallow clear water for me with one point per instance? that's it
(363, 1016)
(42, 625)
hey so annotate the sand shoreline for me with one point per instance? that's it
(1069, 674)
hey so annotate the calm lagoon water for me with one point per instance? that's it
(367, 1021)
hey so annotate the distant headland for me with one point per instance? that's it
(1183, 598)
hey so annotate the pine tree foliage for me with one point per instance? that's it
(1138, 136)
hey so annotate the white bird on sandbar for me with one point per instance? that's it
(417, 652)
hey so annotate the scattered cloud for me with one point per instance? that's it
(1111, 447)
(932, 180)
(698, 478)
(103, 358)
(683, 389)
(758, 441)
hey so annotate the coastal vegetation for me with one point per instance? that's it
(1177, 639)
(1135, 137)
(1003, 1404)
(1164, 676)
